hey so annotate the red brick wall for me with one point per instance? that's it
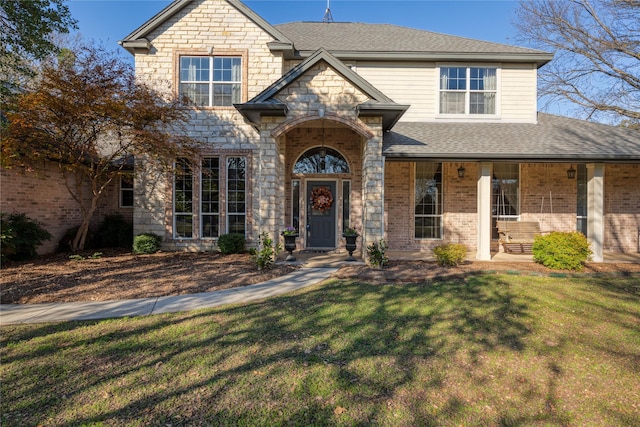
(546, 196)
(460, 206)
(622, 208)
(42, 196)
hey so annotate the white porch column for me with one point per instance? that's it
(484, 212)
(595, 209)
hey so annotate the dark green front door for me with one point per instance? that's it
(321, 214)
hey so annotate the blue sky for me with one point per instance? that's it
(111, 20)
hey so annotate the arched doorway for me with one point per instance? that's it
(324, 173)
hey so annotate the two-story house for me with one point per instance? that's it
(412, 136)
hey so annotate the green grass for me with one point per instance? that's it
(487, 350)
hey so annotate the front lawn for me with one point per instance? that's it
(492, 349)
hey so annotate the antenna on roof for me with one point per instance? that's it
(327, 14)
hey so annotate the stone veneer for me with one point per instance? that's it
(204, 28)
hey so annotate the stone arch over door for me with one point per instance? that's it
(335, 137)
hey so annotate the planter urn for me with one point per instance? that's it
(351, 245)
(290, 245)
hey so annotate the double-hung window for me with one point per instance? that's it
(236, 194)
(210, 197)
(183, 199)
(468, 90)
(211, 81)
(126, 190)
(428, 200)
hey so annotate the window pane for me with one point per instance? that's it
(428, 227)
(210, 226)
(295, 204)
(453, 78)
(126, 190)
(482, 103)
(194, 69)
(346, 204)
(195, 93)
(321, 160)
(452, 102)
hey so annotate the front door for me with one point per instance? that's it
(321, 214)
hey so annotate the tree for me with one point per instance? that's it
(597, 53)
(25, 34)
(87, 113)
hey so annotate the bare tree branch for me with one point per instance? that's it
(597, 53)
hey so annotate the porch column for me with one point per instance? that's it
(595, 209)
(373, 188)
(484, 212)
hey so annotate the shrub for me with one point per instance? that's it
(450, 255)
(146, 243)
(561, 250)
(115, 232)
(265, 254)
(231, 243)
(20, 236)
(376, 254)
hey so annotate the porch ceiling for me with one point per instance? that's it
(553, 138)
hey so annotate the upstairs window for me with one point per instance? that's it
(468, 90)
(211, 81)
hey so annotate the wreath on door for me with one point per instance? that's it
(321, 199)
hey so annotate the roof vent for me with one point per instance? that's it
(327, 14)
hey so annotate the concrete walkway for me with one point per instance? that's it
(57, 312)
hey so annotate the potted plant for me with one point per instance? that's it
(350, 235)
(290, 234)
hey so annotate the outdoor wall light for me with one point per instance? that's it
(571, 172)
(461, 171)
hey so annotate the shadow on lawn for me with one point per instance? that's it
(294, 359)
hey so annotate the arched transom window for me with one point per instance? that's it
(321, 160)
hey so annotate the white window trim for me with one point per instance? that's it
(441, 198)
(467, 116)
(200, 213)
(176, 213)
(246, 192)
(211, 82)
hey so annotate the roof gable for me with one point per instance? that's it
(378, 104)
(137, 39)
